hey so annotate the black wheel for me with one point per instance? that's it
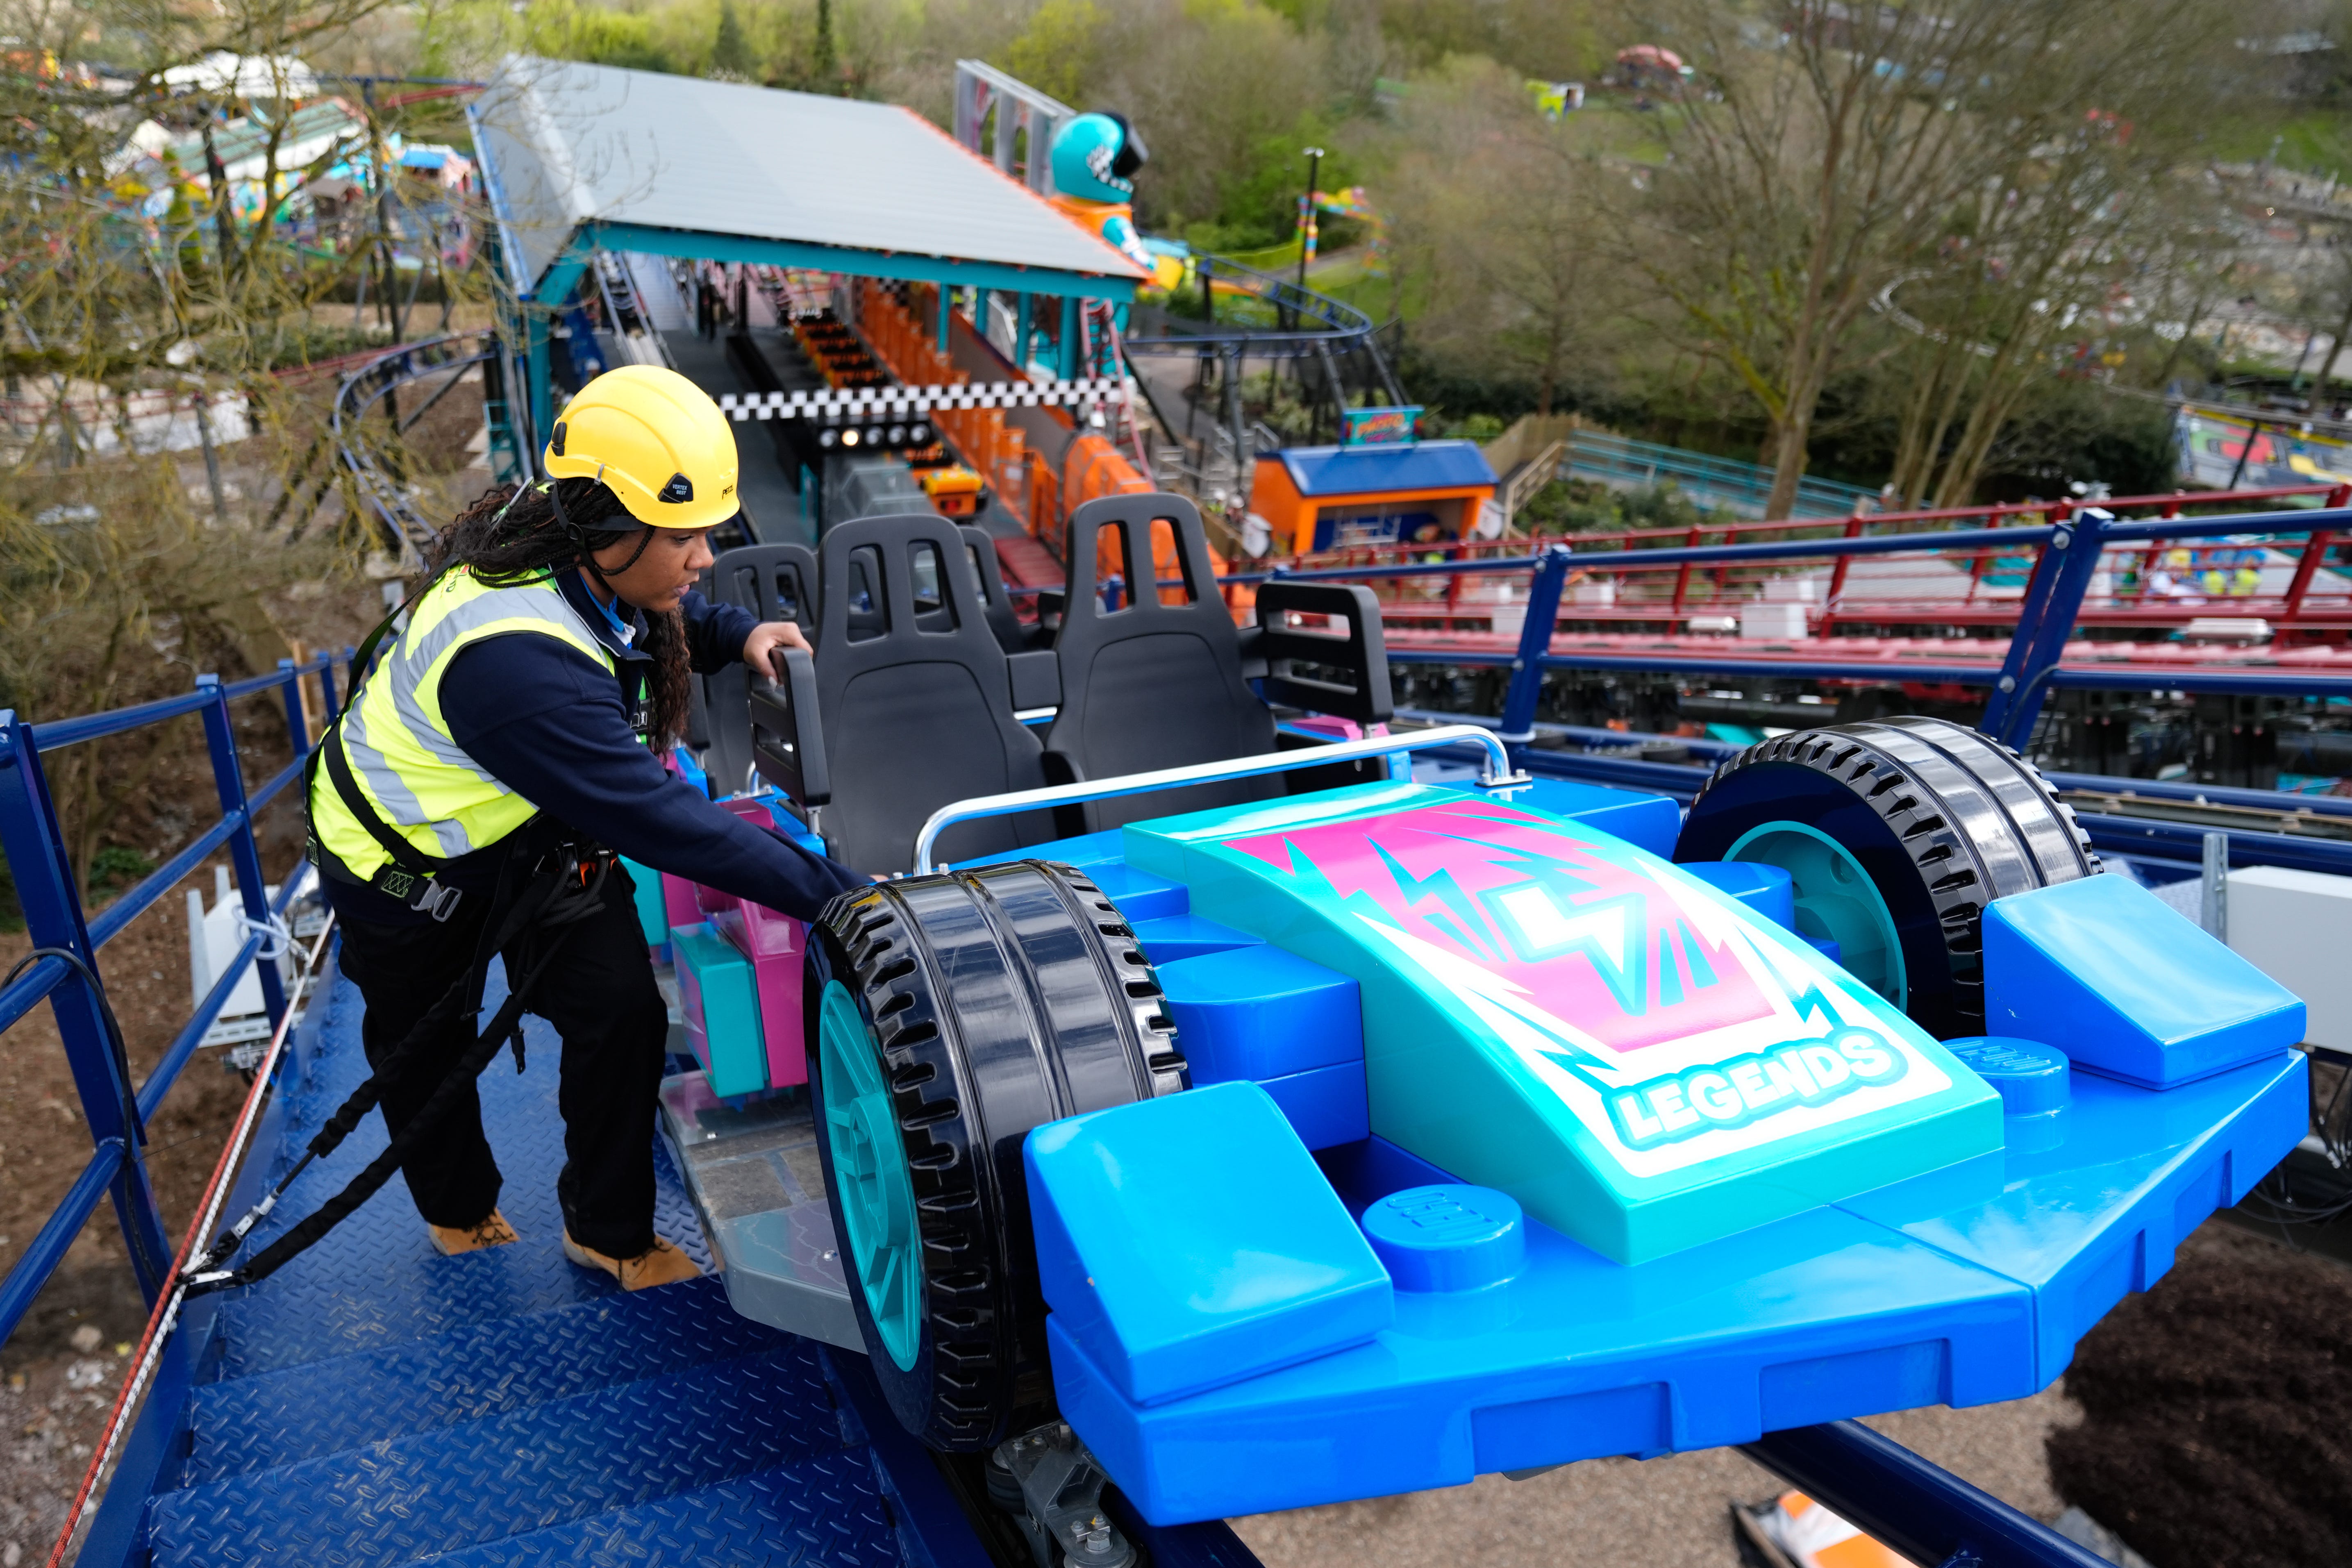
(1897, 834)
(946, 1016)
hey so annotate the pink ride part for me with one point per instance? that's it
(774, 944)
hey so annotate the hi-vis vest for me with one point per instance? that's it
(420, 782)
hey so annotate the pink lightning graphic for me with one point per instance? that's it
(1592, 941)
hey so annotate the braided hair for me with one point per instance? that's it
(513, 535)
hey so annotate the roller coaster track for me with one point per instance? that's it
(379, 483)
(1339, 328)
(1342, 326)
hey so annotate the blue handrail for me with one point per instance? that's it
(1743, 487)
(35, 844)
(2065, 554)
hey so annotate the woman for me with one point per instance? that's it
(519, 719)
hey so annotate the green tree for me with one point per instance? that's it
(824, 59)
(730, 51)
(1491, 209)
(1057, 52)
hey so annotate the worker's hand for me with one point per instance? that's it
(759, 647)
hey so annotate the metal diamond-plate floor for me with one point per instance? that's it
(346, 1401)
(374, 1403)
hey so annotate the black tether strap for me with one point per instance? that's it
(552, 901)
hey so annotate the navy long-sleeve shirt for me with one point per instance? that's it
(554, 726)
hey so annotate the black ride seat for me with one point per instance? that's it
(1152, 685)
(980, 547)
(775, 583)
(914, 701)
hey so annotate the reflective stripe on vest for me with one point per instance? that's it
(419, 780)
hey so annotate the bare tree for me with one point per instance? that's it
(1820, 150)
(132, 556)
(2079, 246)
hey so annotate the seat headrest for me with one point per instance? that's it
(927, 587)
(1134, 516)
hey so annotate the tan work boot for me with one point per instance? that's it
(660, 1264)
(492, 1231)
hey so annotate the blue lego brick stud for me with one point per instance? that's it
(2032, 1079)
(1448, 1237)
(2111, 974)
(1190, 1242)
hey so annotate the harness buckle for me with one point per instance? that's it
(438, 900)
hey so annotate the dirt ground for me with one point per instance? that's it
(2218, 1430)
(65, 1363)
(1672, 1513)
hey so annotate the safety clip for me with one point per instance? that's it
(438, 900)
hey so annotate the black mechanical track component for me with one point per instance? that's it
(1943, 819)
(996, 1000)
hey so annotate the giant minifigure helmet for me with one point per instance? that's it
(1095, 157)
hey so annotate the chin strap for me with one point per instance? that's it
(579, 537)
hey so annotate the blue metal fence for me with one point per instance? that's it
(68, 938)
(2064, 553)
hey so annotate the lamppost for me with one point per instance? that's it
(1306, 213)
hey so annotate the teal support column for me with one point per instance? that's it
(1069, 368)
(540, 398)
(551, 295)
(1022, 329)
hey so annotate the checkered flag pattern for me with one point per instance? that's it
(867, 402)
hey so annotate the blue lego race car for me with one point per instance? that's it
(1318, 1131)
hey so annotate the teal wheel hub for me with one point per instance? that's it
(869, 1172)
(1835, 898)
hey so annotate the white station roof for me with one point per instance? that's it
(567, 147)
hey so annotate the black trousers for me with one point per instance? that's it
(599, 992)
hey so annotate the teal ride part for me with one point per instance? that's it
(870, 1174)
(1556, 1013)
(1835, 898)
(1095, 157)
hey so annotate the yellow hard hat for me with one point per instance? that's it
(655, 439)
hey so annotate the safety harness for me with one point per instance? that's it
(533, 913)
(549, 882)
(407, 874)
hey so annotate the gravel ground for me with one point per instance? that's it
(2215, 1408)
(1640, 1513)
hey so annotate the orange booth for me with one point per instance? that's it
(1336, 498)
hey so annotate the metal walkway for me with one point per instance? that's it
(375, 1404)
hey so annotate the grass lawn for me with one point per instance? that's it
(2317, 139)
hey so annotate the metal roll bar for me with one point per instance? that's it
(1499, 772)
